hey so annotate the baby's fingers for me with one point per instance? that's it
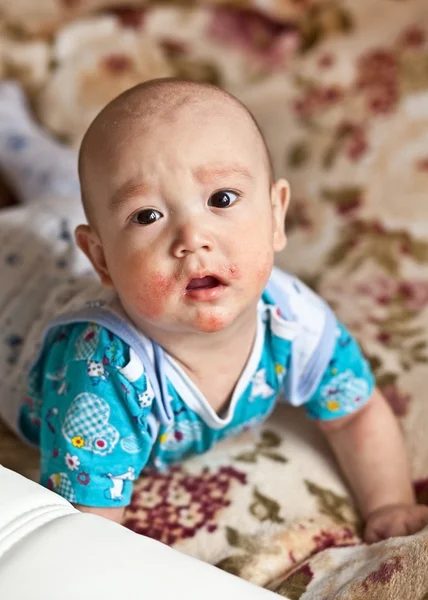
(373, 535)
(417, 522)
(396, 523)
(383, 529)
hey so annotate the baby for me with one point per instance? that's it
(190, 333)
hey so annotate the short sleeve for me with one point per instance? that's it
(94, 433)
(346, 385)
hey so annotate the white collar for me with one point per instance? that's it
(193, 397)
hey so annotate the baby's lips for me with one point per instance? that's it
(208, 281)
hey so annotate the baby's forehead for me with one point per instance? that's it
(173, 131)
(162, 122)
(147, 110)
(195, 115)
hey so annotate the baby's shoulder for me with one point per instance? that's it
(295, 300)
(89, 342)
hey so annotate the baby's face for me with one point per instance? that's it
(187, 218)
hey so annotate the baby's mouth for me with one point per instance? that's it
(203, 283)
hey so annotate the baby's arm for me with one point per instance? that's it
(94, 433)
(370, 450)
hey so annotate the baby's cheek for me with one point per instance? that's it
(151, 295)
(262, 271)
(228, 271)
(257, 266)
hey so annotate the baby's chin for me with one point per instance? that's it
(205, 321)
(233, 318)
(211, 321)
(193, 317)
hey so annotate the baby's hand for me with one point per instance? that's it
(395, 520)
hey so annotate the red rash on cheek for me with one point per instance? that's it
(255, 270)
(228, 271)
(234, 272)
(152, 298)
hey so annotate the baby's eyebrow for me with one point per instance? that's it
(208, 174)
(203, 174)
(127, 191)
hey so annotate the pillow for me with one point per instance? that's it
(45, 16)
(96, 60)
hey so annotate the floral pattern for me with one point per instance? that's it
(72, 462)
(174, 506)
(340, 91)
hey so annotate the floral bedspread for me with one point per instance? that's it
(340, 90)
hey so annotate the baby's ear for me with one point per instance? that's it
(90, 243)
(280, 196)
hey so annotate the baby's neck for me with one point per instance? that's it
(193, 348)
(214, 361)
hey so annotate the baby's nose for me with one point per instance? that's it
(191, 236)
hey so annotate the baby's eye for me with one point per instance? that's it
(223, 199)
(146, 217)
